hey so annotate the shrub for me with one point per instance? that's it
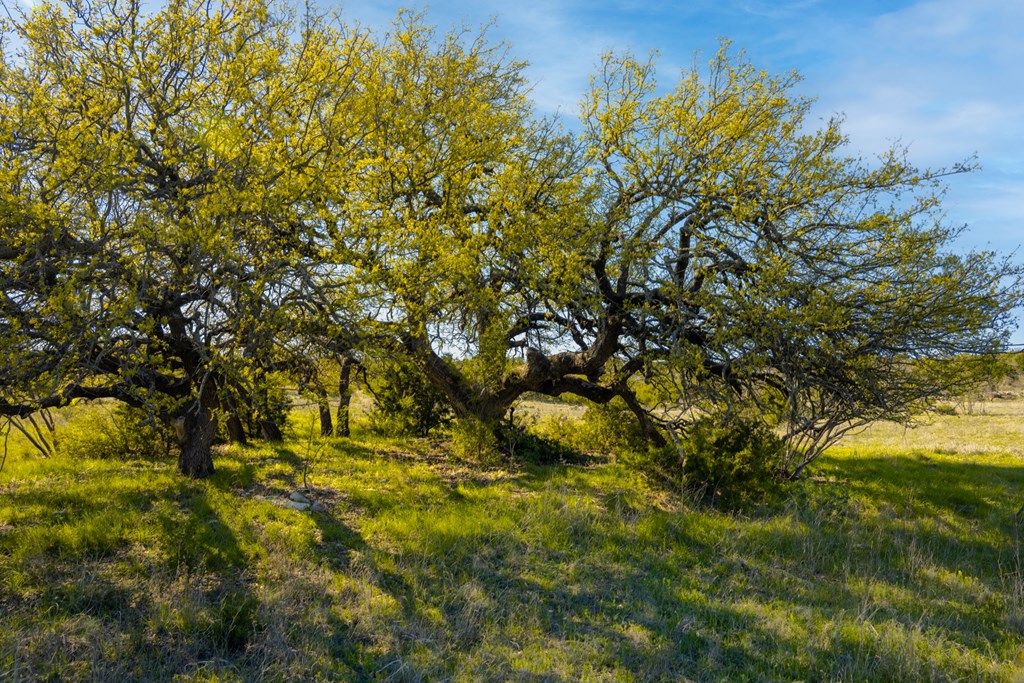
(604, 428)
(730, 460)
(115, 432)
(527, 445)
(726, 460)
(474, 440)
(405, 402)
(267, 403)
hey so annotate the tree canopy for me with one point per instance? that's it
(159, 183)
(194, 197)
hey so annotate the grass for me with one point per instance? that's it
(898, 559)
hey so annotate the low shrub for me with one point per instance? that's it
(730, 460)
(474, 440)
(727, 461)
(523, 444)
(604, 429)
(115, 432)
(405, 402)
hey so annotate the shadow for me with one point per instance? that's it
(421, 568)
(698, 595)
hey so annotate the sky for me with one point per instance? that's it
(944, 77)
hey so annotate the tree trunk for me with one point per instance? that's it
(345, 394)
(648, 430)
(270, 431)
(236, 430)
(324, 405)
(198, 430)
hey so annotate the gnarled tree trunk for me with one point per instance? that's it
(270, 431)
(345, 394)
(236, 430)
(197, 431)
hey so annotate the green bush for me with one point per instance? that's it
(604, 429)
(268, 401)
(474, 440)
(405, 402)
(730, 460)
(115, 432)
(527, 445)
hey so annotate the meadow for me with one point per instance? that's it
(897, 559)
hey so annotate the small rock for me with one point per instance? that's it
(318, 507)
(296, 505)
(299, 498)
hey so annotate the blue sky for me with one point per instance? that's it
(944, 76)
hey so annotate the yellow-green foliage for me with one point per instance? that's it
(115, 431)
(474, 441)
(602, 429)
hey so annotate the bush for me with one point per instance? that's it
(604, 428)
(269, 402)
(474, 440)
(731, 460)
(526, 445)
(405, 402)
(728, 461)
(115, 432)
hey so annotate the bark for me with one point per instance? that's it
(345, 394)
(324, 406)
(566, 372)
(270, 431)
(648, 430)
(236, 430)
(198, 429)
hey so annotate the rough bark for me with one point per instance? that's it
(348, 363)
(324, 406)
(196, 459)
(236, 430)
(270, 431)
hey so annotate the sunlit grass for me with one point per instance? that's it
(899, 559)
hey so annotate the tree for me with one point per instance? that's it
(159, 182)
(751, 261)
(475, 216)
(706, 241)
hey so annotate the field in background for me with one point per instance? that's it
(898, 559)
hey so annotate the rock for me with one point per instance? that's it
(295, 505)
(299, 498)
(318, 507)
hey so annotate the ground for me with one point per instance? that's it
(898, 559)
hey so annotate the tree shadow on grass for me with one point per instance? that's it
(781, 595)
(128, 568)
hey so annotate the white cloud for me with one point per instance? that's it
(940, 73)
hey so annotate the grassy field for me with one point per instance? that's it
(899, 559)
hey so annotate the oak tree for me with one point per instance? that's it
(158, 183)
(752, 262)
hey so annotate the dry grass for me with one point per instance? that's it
(977, 428)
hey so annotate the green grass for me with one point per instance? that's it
(897, 560)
